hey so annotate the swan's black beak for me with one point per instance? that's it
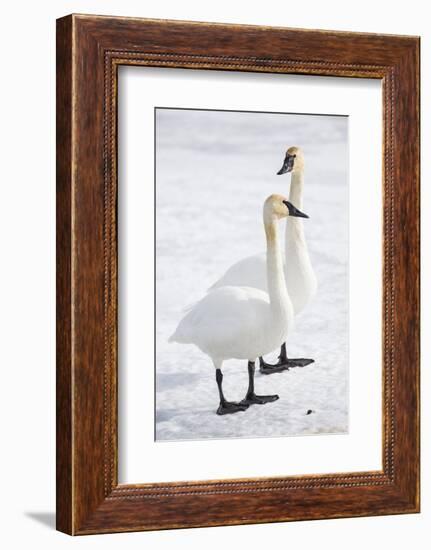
(287, 165)
(293, 211)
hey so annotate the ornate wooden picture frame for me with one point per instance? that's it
(89, 51)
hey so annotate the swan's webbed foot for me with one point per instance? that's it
(253, 399)
(267, 368)
(283, 362)
(230, 407)
(299, 362)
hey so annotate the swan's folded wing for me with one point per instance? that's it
(250, 272)
(233, 334)
(223, 320)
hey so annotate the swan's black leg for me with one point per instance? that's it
(283, 362)
(251, 398)
(283, 353)
(227, 407)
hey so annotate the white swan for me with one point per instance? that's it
(299, 273)
(239, 322)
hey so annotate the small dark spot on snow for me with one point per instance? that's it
(309, 411)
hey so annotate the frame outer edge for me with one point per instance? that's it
(64, 368)
(407, 281)
(81, 508)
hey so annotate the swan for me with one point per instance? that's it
(240, 322)
(299, 273)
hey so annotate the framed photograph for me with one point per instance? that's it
(237, 274)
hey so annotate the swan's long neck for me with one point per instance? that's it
(296, 191)
(295, 238)
(277, 290)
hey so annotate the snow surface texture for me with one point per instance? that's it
(214, 169)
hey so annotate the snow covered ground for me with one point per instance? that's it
(214, 170)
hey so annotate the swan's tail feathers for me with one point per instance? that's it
(179, 336)
(176, 336)
(217, 284)
(189, 307)
(182, 332)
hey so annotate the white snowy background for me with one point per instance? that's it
(214, 169)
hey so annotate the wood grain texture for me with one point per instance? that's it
(90, 49)
(64, 496)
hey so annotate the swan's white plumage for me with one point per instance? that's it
(228, 323)
(240, 322)
(251, 271)
(300, 277)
